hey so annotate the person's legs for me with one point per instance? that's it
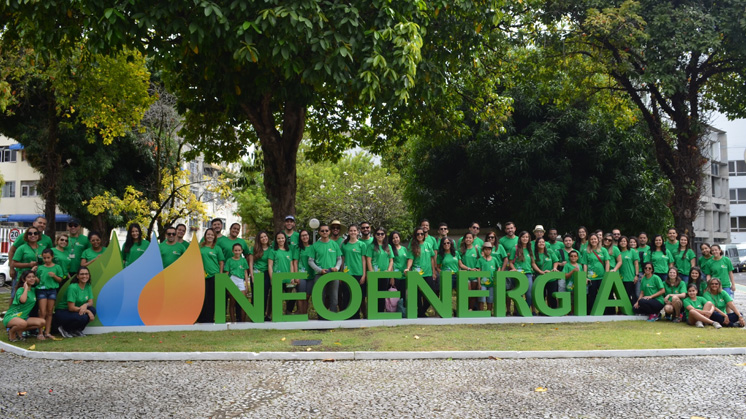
(267, 296)
(331, 294)
(630, 288)
(593, 293)
(530, 291)
(15, 328)
(549, 290)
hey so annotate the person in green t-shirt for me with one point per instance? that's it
(400, 257)
(283, 262)
(260, 261)
(684, 258)
(675, 291)
(213, 263)
(721, 267)
(422, 260)
(379, 257)
(615, 256)
(474, 230)
(672, 245)
(723, 303)
(62, 255)
(697, 309)
(596, 263)
(706, 257)
(698, 278)
(17, 318)
(50, 277)
(490, 264)
(364, 232)
(509, 240)
(571, 271)
(661, 258)
(134, 245)
(353, 254)
(303, 252)
(45, 241)
(448, 260)
(27, 257)
(468, 260)
(425, 225)
(327, 257)
(545, 261)
(181, 230)
(650, 300)
(170, 250)
(91, 254)
(237, 267)
(77, 244)
(76, 309)
(630, 267)
(581, 243)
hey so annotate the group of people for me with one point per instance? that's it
(663, 278)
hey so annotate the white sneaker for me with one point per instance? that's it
(716, 325)
(699, 324)
(64, 333)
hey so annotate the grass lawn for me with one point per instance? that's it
(516, 337)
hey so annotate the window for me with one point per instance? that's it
(715, 169)
(7, 155)
(738, 224)
(28, 188)
(9, 189)
(737, 168)
(738, 196)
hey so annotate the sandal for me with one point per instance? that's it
(48, 336)
(40, 336)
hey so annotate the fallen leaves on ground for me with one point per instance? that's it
(540, 389)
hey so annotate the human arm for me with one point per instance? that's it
(733, 308)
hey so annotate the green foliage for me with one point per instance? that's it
(352, 190)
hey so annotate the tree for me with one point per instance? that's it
(352, 190)
(266, 72)
(103, 96)
(676, 60)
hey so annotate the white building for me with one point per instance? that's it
(712, 224)
(737, 171)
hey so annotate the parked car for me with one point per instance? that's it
(737, 255)
(4, 269)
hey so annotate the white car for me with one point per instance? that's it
(4, 269)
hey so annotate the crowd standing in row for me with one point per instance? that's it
(665, 277)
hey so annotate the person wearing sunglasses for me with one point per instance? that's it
(77, 243)
(422, 261)
(170, 249)
(92, 253)
(326, 257)
(650, 300)
(28, 255)
(45, 241)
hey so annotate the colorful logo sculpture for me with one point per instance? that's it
(144, 293)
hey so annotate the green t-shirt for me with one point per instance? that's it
(46, 281)
(90, 254)
(379, 259)
(672, 247)
(596, 263)
(613, 253)
(340, 241)
(170, 253)
(211, 258)
(650, 286)
(627, 271)
(698, 303)
(302, 256)
(499, 254)
(45, 242)
(137, 250)
(469, 257)
(522, 266)
(508, 244)
(433, 242)
(720, 301)
(325, 254)
(448, 262)
(478, 243)
(27, 254)
(353, 254)
(78, 296)
(367, 241)
(660, 260)
(670, 289)
(721, 269)
(400, 258)
(262, 264)
(704, 264)
(75, 248)
(556, 246)
(18, 309)
(545, 261)
(423, 263)
(293, 239)
(492, 266)
(62, 258)
(226, 245)
(236, 267)
(570, 282)
(282, 261)
(684, 265)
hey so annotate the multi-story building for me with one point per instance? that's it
(737, 171)
(712, 224)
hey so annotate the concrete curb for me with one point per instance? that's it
(363, 355)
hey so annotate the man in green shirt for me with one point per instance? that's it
(45, 242)
(225, 243)
(365, 236)
(425, 226)
(217, 226)
(474, 230)
(335, 232)
(672, 244)
(290, 233)
(77, 243)
(170, 250)
(442, 234)
(181, 230)
(509, 240)
(616, 234)
(552, 241)
(326, 257)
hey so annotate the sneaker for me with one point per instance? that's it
(64, 333)
(716, 325)
(699, 324)
(77, 334)
(652, 317)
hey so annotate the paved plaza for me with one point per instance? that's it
(680, 387)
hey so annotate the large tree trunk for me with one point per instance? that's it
(280, 152)
(49, 181)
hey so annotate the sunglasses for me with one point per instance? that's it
(420, 234)
(170, 234)
(33, 233)
(380, 234)
(323, 231)
(443, 228)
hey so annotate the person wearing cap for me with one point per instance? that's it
(290, 232)
(77, 244)
(538, 232)
(44, 241)
(335, 234)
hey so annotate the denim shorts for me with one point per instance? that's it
(50, 294)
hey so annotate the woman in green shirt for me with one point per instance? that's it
(697, 309)
(213, 262)
(448, 260)
(78, 310)
(630, 267)
(378, 257)
(522, 260)
(684, 259)
(304, 250)
(675, 292)
(650, 300)
(28, 255)
(400, 253)
(134, 245)
(545, 261)
(468, 260)
(92, 253)
(596, 264)
(17, 318)
(697, 278)
(422, 260)
(723, 302)
(661, 258)
(582, 240)
(261, 262)
(62, 255)
(283, 262)
(721, 267)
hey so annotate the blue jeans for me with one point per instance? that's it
(530, 290)
(71, 321)
(730, 292)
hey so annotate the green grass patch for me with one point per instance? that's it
(507, 337)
